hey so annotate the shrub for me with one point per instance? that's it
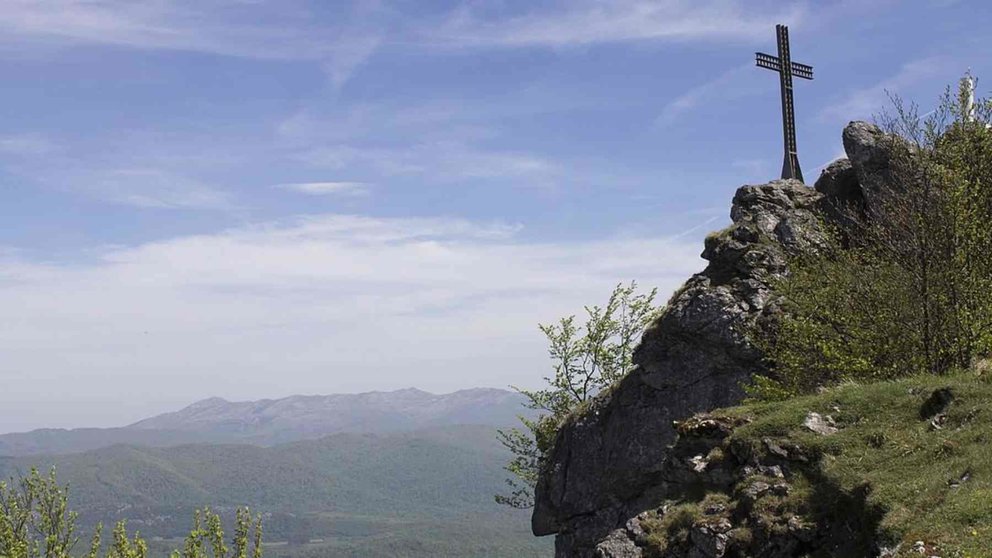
(586, 361)
(907, 288)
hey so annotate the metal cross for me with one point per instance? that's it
(786, 68)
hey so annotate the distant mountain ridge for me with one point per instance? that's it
(267, 422)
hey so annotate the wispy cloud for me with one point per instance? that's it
(440, 141)
(587, 22)
(439, 161)
(868, 101)
(155, 188)
(260, 30)
(728, 85)
(327, 303)
(327, 188)
(26, 145)
(120, 173)
(350, 52)
(174, 25)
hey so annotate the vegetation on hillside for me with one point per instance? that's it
(587, 359)
(909, 467)
(906, 286)
(371, 496)
(36, 522)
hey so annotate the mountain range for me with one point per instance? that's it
(403, 473)
(269, 422)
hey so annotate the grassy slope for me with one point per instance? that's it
(913, 474)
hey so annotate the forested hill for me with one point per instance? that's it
(402, 494)
(273, 421)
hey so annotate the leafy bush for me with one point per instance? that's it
(586, 361)
(35, 522)
(906, 288)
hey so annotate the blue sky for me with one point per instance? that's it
(252, 198)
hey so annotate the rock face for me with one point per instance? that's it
(693, 358)
(745, 512)
(873, 157)
(610, 463)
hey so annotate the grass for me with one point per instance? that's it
(909, 480)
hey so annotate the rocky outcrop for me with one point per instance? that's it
(694, 358)
(874, 157)
(610, 463)
(751, 508)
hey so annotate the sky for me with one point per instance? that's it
(252, 199)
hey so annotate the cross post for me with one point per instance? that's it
(786, 69)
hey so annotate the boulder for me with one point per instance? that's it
(819, 424)
(843, 200)
(839, 181)
(874, 156)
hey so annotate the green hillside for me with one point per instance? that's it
(900, 467)
(412, 494)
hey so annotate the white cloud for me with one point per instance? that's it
(323, 304)
(174, 25)
(260, 30)
(325, 188)
(866, 102)
(585, 22)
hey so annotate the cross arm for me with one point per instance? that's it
(802, 70)
(770, 62)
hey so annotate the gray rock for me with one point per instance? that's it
(875, 160)
(819, 424)
(693, 358)
(709, 540)
(775, 449)
(839, 181)
(618, 545)
(843, 201)
(756, 490)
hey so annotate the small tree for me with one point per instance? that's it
(208, 532)
(35, 522)
(586, 360)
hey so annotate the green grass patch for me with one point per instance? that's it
(912, 478)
